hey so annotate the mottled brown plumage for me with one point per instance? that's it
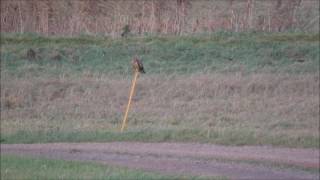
(137, 65)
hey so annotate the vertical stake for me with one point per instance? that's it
(133, 85)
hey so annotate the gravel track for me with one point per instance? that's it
(244, 162)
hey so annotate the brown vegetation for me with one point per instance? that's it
(280, 104)
(114, 17)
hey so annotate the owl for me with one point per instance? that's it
(137, 65)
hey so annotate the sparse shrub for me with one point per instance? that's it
(12, 102)
(31, 55)
(125, 31)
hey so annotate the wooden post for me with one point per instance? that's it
(124, 122)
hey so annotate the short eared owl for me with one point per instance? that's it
(137, 65)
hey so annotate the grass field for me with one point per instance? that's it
(18, 167)
(221, 52)
(226, 88)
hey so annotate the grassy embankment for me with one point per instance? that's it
(17, 167)
(227, 88)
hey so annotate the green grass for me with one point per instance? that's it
(226, 136)
(217, 52)
(19, 167)
(227, 88)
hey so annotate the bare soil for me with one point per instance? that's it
(245, 162)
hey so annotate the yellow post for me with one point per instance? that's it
(124, 122)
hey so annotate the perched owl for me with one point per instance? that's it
(137, 65)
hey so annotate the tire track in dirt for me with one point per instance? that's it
(183, 158)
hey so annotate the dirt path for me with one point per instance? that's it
(183, 158)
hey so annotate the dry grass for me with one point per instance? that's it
(267, 104)
(229, 88)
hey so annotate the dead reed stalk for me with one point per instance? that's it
(156, 16)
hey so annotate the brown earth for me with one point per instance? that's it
(245, 162)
